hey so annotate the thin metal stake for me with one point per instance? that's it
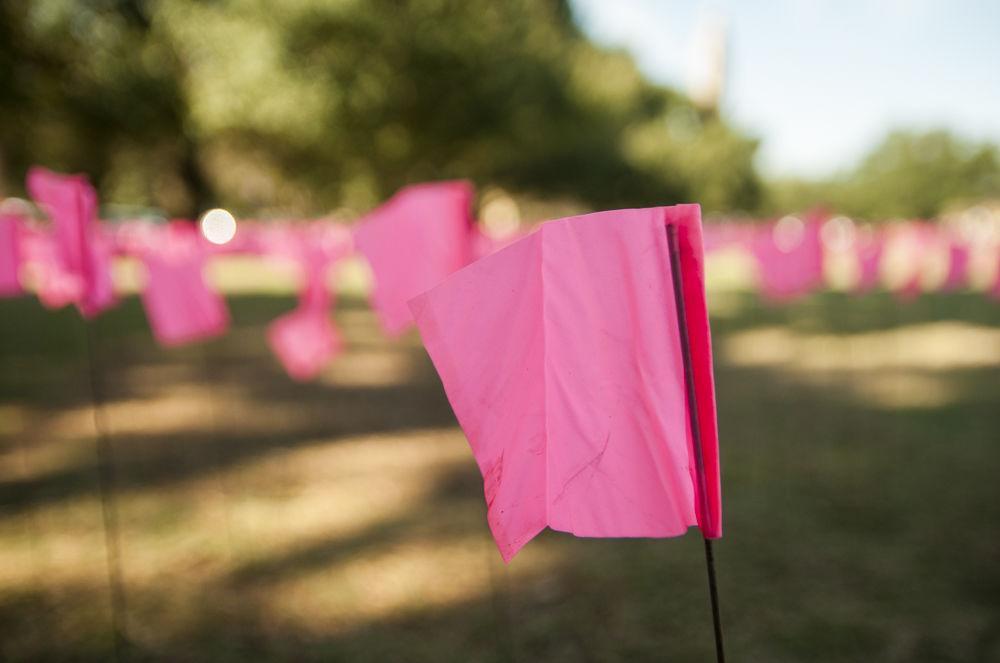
(692, 401)
(109, 510)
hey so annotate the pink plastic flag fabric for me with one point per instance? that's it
(484, 243)
(54, 286)
(180, 305)
(869, 247)
(561, 358)
(789, 256)
(80, 264)
(917, 238)
(957, 276)
(412, 242)
(305, 339)
(10, 256)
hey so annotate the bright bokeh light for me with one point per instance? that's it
(788, 233)
(838, 233)
(218, 226)
(500, 214)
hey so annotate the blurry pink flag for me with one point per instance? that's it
(79, 269)
(180, 305)
(722, 235)
(413, 242)
(958, 266)
(994, 290)
(10, 255)
(917, 238)
(561, 358)
(305, 339)
(869, 248)
(789, 259)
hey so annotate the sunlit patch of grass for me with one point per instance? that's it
(908, 366)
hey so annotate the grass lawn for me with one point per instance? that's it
(343, 519)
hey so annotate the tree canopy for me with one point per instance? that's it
(301, 106)
(909, 174)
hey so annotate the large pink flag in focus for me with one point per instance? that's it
(180, 304)
(10, 255)
(305, 339)
(412, 242)
(78, 268)
(561, 358)
(789, 256)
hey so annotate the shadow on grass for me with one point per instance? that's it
(852, 530)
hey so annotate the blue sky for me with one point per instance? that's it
(821, 81)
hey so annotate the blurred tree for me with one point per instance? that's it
(909, 174)
(304, 105)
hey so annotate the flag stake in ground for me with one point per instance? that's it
(675, 269)
(106, 484)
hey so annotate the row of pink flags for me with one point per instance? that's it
(792, 256)
(412, 242)
(561, 354)
(577, 359)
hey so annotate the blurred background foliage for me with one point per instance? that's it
(306, 106)
(909, 174)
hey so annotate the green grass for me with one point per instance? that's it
(343, 519)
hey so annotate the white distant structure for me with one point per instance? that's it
(708, 60)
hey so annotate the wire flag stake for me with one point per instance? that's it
(713, 590)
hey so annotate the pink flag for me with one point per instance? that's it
(484, 243)
(561, 358)
(10, 256)
(180, 305)
(305, 339)
(958, 266)
(916, 238)
(80, 266)
(869, 247)
(789, 258)
(994, 290)
(412, 242)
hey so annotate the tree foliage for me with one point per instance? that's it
(300, 106)
(909, 174)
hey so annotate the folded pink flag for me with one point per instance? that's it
(180, 305)
(10, 256)
(789, 257)
(412, 242)
(305, 339)
(561, 358)
(80, 266)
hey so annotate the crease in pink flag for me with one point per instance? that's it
(10, 255)
(305, 339)
(78, 267)
(412, 243)
(180, 304)
(561, 357)
(789, 257)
